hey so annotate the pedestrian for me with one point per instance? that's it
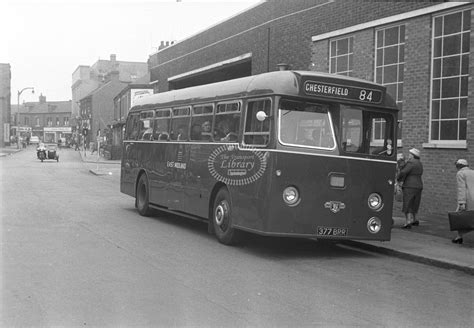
(465, 193)
(398, 185)
(77, 142)
(410, 176)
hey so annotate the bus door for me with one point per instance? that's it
(177, 158)
(159, 176)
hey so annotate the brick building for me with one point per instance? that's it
(97, 108)
(421, 51)
(49, 120)
(123, 101)
(86, 79)
(5, 100)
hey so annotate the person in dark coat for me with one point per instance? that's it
(410, 176)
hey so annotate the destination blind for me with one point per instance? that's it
(342, 91)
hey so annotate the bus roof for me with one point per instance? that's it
(279, 82)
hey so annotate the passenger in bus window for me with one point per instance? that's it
(224, 132)
(206, 133)
(182, 133)
(195, 132)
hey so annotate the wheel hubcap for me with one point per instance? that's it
(221, 215)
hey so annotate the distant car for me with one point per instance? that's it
(34, 140)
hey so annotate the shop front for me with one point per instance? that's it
(58, 135)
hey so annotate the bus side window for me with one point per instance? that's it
(382, 139)
(256, 132)
(146, 130)
(227, 124)
(162, 125)
(201, 123)
(180, 124)
(133, 127)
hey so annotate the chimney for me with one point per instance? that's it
(113, 58)
(42, 99)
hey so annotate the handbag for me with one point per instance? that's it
(398, 192)
(463, 220)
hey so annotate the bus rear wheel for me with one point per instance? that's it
(222, 219)
(142, 196)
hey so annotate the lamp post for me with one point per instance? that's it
(18, 114)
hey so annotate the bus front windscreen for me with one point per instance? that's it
(304, 124)
(359, 130)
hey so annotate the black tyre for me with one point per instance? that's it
(222, 219)
(142, 196)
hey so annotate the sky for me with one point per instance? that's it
(44, 41)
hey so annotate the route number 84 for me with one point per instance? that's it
(365, 96)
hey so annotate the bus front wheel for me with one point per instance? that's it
(222, 219)
(142, 196)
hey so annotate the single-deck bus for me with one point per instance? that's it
(286, 153)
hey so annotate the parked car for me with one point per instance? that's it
(34, 140)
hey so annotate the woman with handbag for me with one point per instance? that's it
(465, 195)
(410, 175)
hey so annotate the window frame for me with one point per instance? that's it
(164, 117)
(174, 116)
(349, 54)
(447, 143)
(221, 114)
(270, 115)
(399, 82)
(193, 115)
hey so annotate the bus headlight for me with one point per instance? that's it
(291, 196)
(375, 201)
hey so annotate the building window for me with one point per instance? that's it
(341, 56)
(450, 73)
(389, 66)
(27, 121)
(50, 121)
(37, 121)
(66, 121)
(57, 121)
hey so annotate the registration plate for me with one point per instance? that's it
(330, 231)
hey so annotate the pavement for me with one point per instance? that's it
(429, 243)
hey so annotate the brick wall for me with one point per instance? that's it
(274, 32)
